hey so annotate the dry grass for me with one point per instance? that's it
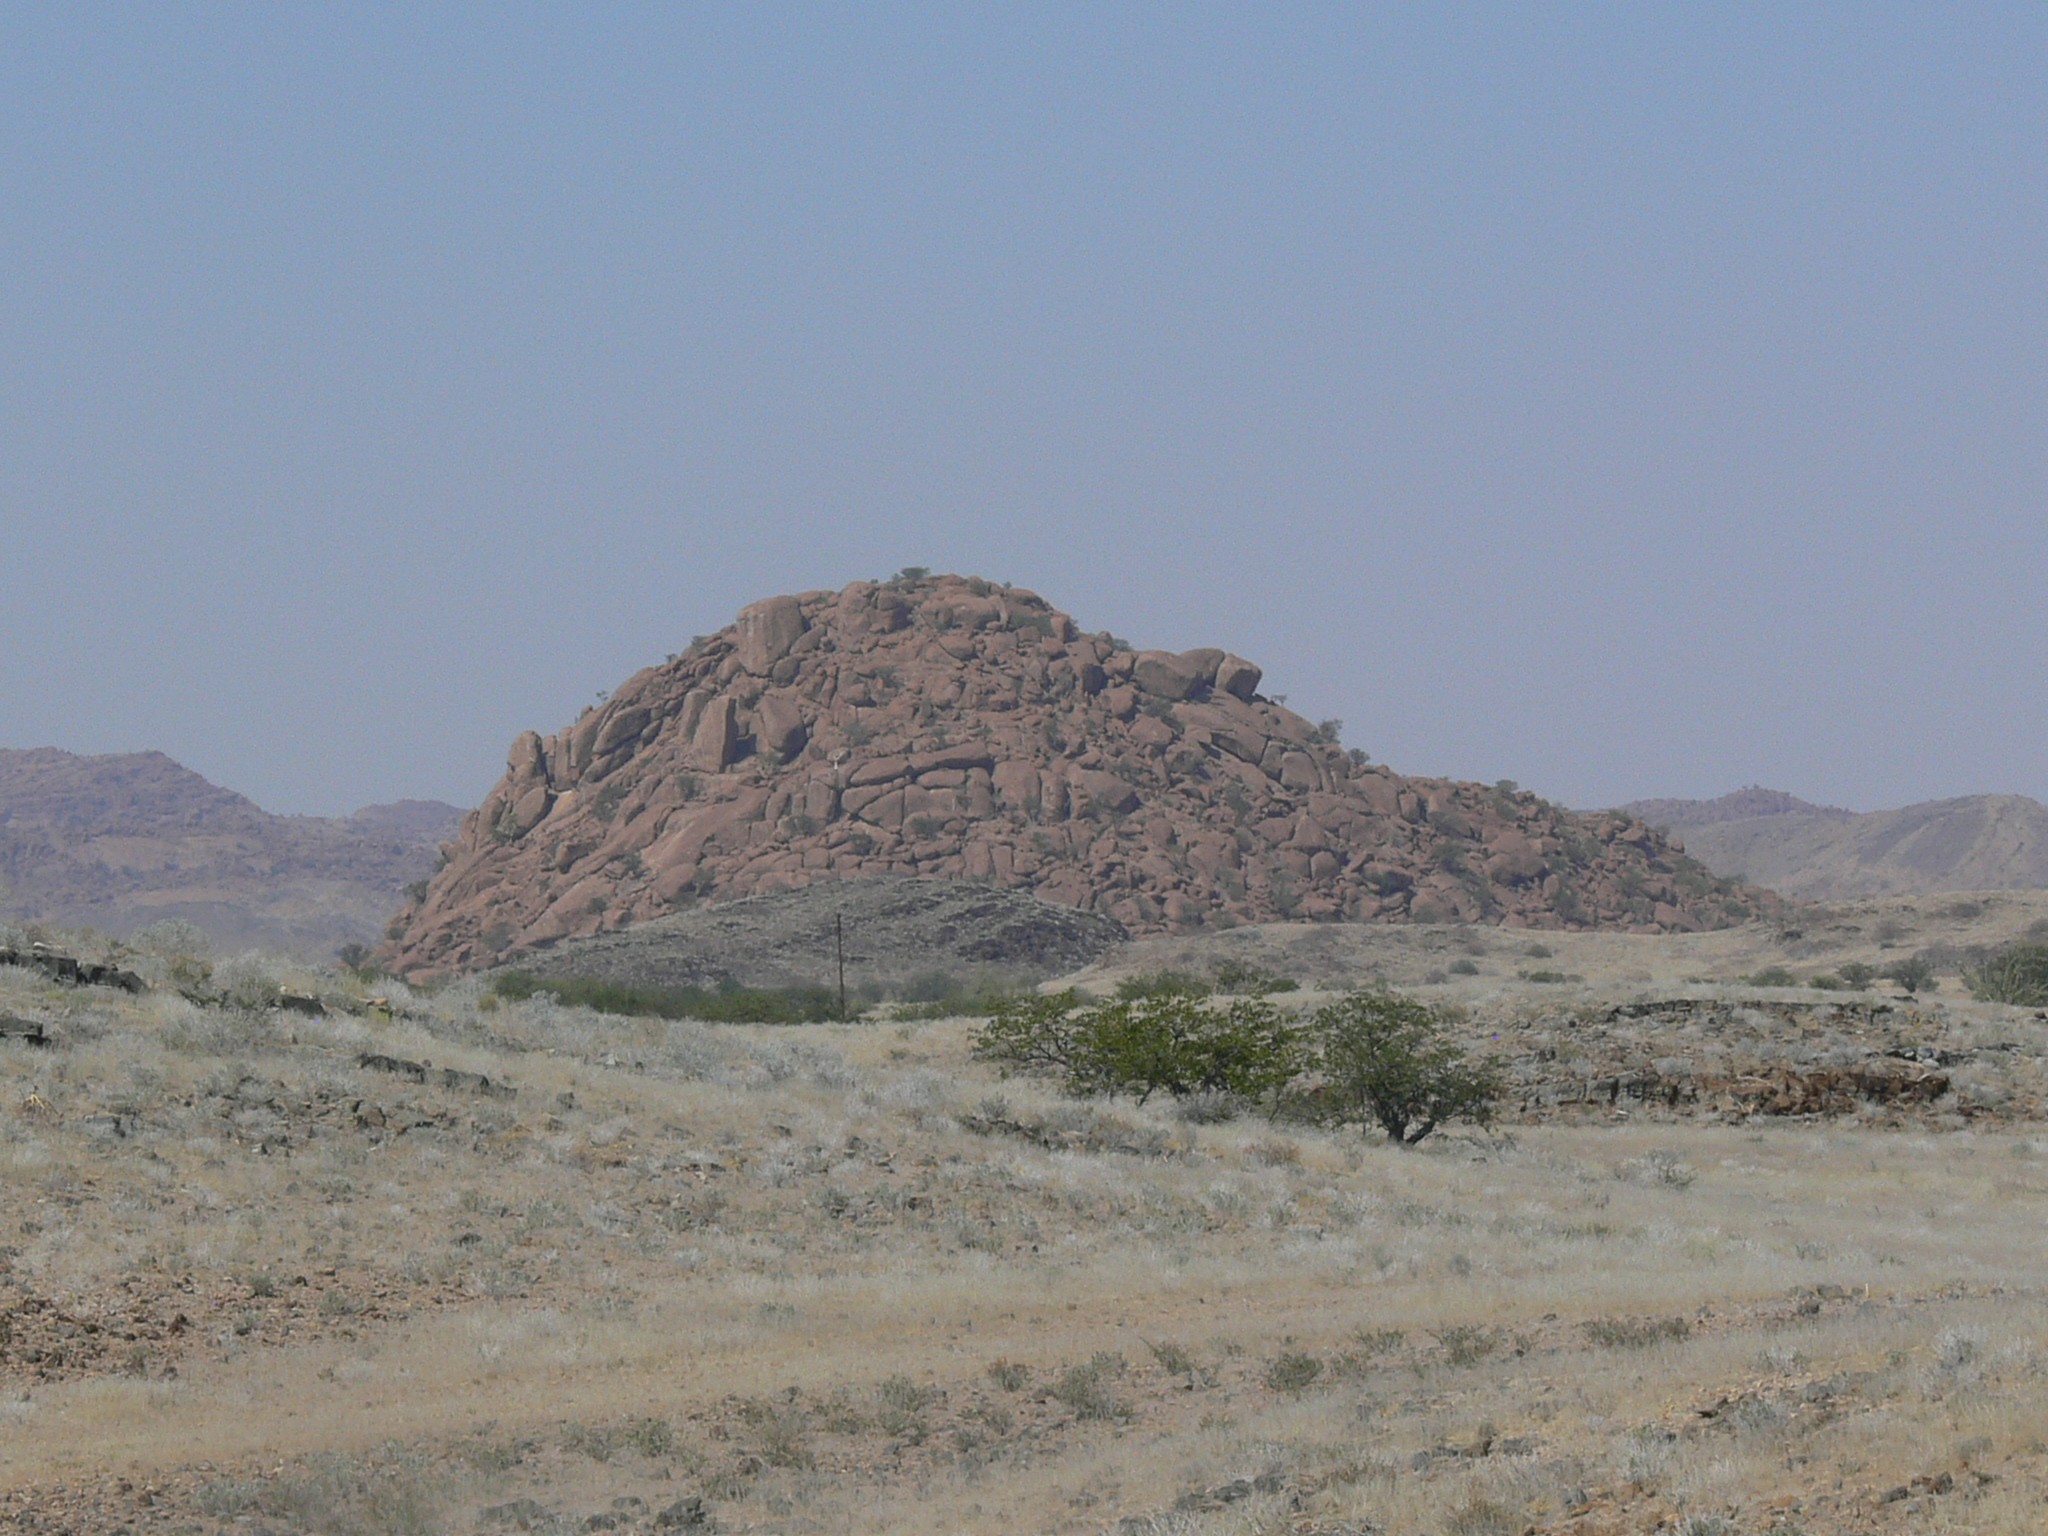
(814, 1277)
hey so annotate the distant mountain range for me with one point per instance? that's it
(119, 841)
(1823, 853)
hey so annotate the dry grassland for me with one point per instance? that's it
(844, 1279)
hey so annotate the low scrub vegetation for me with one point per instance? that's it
(719, 1005)
(1163, 1042)
(1372, 1058)
(2016, 974)
(1229, 978)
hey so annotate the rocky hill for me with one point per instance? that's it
(1818, 853)
(119, 841)
(949, 726)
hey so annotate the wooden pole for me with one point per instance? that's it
(839, 943)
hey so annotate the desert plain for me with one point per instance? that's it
(485, 1265)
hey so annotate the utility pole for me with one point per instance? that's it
(839, 944)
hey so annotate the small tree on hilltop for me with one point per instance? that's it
(1386, 1060)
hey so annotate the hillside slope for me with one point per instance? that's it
(1973, 843)
(895, 931)
(948, 726)
(119, 841)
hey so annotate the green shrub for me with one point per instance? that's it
(1465, 1344)
(942, 995)
(1293, 1372)
(1385, 1059)
(721, 1005)
(2016, 974)
(1772, 976)
(1160, 1043)
(1634, 1333)
(1161, 984)
(1856, 974)
(1033, 1034)
(1914, 975)
(1236, 978)
(1173, 1358)
(1181, 1046)
(1086, 1388)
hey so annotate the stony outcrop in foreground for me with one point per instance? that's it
(949, 726)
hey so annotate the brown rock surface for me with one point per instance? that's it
(951, 726)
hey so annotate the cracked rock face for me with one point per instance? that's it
(953, 727)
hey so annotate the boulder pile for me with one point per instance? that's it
(949, 726)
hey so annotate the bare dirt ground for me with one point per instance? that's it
(843, 1278)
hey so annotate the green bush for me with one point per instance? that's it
(1162, 984)
(1856, 974)
(2016, 974)
(1772, 976)
(1236, 978)
(1086, 1388)
(1033, 1034)
(942, 995)
(1182, 1046)
(1293, 1372)
(1164, 1042)
(722, 1005)
(1914, 975)
(1385, 1059)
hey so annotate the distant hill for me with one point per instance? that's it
(1821, 853)
(116, 842)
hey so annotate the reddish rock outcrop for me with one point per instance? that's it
(953, 727)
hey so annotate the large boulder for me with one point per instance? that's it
(767, 630)
(1238, 678)
(1165, 675)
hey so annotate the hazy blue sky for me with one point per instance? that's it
(1626, 400)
